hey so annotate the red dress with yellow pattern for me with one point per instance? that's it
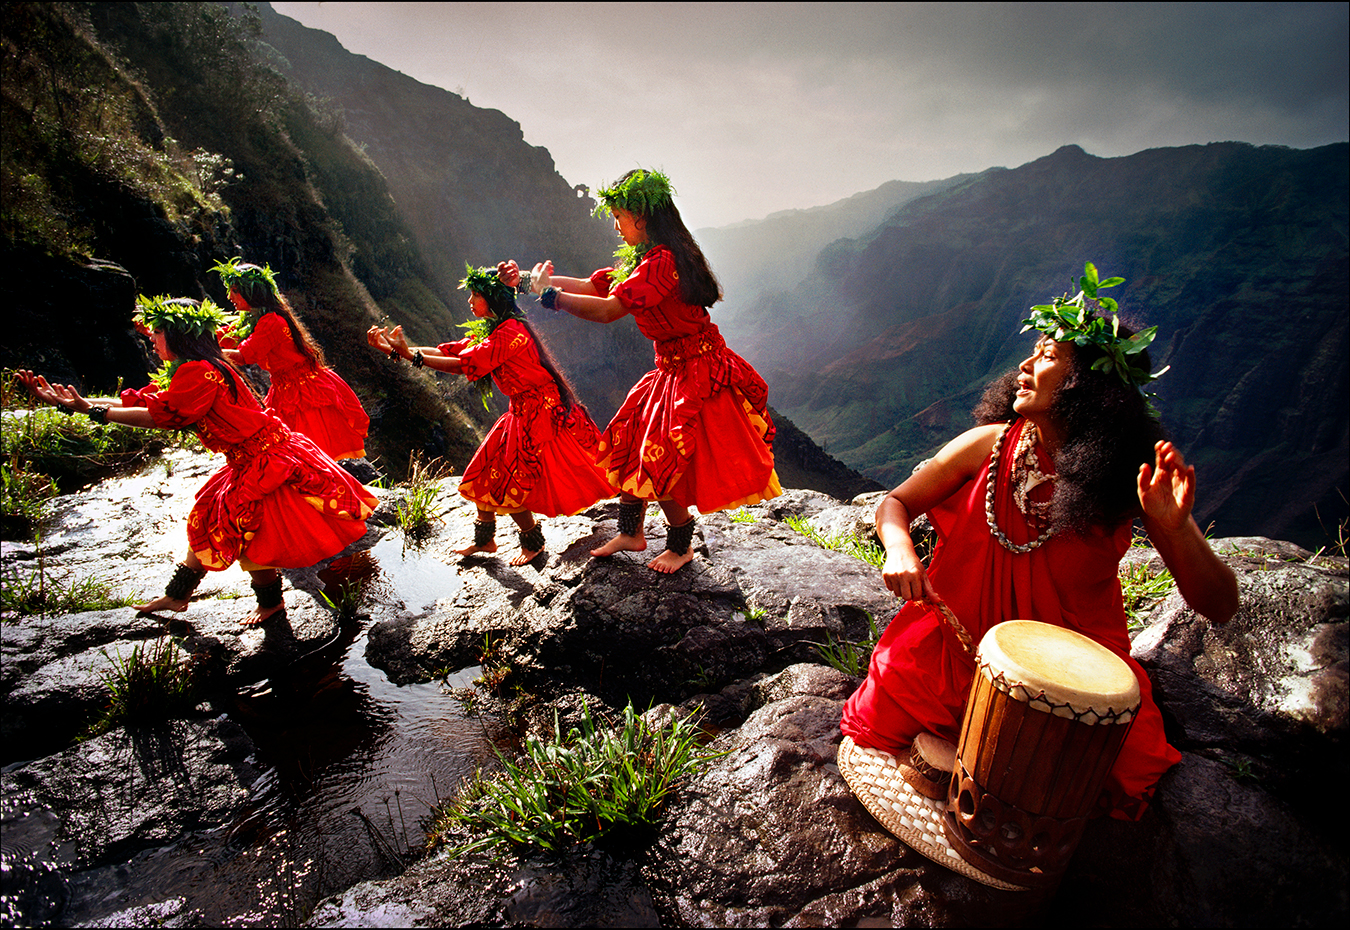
(920, 675)
(310, 400)
(696, 430)
(535, 457)
(279, 501)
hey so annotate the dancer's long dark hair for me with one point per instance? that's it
(1109, 432)
(504, 308)
(262, 296)
(698, 285)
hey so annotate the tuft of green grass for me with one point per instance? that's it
(420, 509)
(1140, 586)
(496, 671)
(43, 593)
(851, 658)
(573, 788)
(153, 683)
(44, 449)
(847, 543)
(742, 516)
(24, 498)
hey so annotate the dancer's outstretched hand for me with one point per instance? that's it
(379, 339)
(508, 272)
(60, 395)
(539, 277)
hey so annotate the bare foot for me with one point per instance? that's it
(163, 603)
(474, 550)
(668, 562)
(621, 543)
(262, 614)
(525, 556)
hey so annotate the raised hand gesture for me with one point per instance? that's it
(1167, 488)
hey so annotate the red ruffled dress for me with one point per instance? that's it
(279, 501)
(920, 676)
(532, 458)
(313, 401)
(696, 430)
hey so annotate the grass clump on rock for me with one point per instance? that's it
(572, 789)
(150, 684)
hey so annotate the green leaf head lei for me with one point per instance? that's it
(642, 192)
(236, 273)
(178, 313)
(485, 283)
(1076, 319)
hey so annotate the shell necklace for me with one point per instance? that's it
(1030, 480)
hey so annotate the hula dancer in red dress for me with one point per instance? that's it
(1033, 511)
(695, 432)
(279, 502)
(306, 394)
(539, 456)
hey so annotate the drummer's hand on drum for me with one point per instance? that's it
(904, 576)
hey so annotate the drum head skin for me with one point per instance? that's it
(1066, 667)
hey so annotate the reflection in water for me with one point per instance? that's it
(352, 765)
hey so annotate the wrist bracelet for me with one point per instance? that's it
(417, 359)
(549, 298)
(97, 413)
(523, 285)
(394, 357)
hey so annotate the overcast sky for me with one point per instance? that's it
(754, 108)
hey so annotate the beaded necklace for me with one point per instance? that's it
(992, 483)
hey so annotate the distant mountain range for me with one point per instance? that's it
(880, 345)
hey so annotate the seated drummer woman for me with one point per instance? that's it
(1033, 509)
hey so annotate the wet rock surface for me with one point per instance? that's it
(766, 834)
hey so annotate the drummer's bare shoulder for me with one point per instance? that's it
(955, 463)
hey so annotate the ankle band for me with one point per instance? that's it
(184, 582)
(483, 531)
(630, 517)
(532, 540)
(679, 537)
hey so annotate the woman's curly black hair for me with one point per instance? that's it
(1109, 432)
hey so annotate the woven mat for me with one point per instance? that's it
(874, 776)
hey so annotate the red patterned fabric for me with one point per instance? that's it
(279, 501)
(532, 459)
(920, 676)
(313, 401)
(696, 430)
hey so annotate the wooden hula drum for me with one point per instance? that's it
(1048, 712)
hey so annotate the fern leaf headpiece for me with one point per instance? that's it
(485, 283)
(180, 313)
(643, 192)
(237, 271)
